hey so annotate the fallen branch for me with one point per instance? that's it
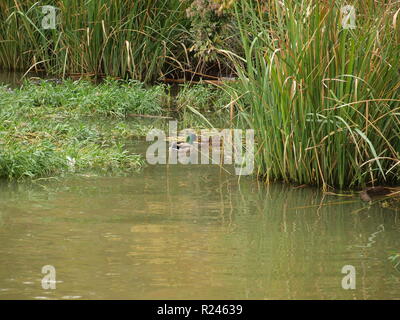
(148, 116)
(215, 82)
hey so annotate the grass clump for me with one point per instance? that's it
(203, 105)
(324, 99)
(47, 129)
(110, 98)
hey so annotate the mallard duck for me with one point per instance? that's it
(369, 194)
(184, 146)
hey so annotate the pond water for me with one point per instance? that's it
(191, 232)
(15, 79)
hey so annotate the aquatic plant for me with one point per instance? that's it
(142, 40)
(47, 129)
(323, 97)
(203, 105)
(117, 38)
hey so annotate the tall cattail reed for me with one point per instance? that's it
(114, 37)
(324, 95)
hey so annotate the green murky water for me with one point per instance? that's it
(181, 232)
(15, 79)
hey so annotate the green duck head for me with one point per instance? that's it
(191, 138)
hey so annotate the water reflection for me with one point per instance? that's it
(182, 232)
(15, 79)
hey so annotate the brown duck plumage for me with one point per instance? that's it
(374, 192)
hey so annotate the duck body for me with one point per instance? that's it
(181, 146)
(184, 146)
(372, 193)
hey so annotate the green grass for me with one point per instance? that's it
(203, 105)
(324, 100)
(43, 127)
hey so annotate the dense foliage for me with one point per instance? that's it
(323, 99)
(143, 40)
